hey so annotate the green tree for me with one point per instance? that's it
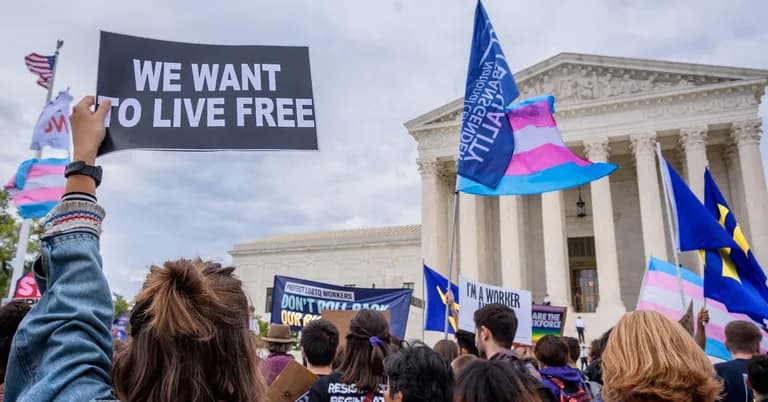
(9, 236)
(121, 304)
(263, 326)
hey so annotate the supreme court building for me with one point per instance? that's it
(588, 247)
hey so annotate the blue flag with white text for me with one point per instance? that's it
(435, 290)
(487, 142)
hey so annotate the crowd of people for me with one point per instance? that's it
(191, 338)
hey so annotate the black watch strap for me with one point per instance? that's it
(84, 169)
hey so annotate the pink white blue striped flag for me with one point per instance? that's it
(661, 292)
(541, 161)
(37, 186)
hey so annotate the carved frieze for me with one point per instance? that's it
(572, 83)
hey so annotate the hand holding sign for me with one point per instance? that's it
(183, 96)
(88, 129)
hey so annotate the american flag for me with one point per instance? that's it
(42, 66)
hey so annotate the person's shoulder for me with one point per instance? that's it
(733, 366)
(505, 354)
(319, 390)
(731, 363)
(721, 364)
(327, 379)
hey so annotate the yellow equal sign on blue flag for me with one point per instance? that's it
(732, 274)
(435, 293)
(730, 277)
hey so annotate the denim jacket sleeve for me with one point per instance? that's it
(63, 348)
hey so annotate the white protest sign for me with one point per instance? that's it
(474, 295)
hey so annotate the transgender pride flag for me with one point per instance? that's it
(37, 186)
(540, 162)
(661, 292)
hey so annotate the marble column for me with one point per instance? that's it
(736, 186)
(652, 220)
(747, 135)
(434, 210)
(597, 150)
(556, 269)
(511, 233)
(693, 140)
(470, 236)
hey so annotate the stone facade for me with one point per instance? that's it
(608, 109)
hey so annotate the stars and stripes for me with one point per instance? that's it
(42, 66)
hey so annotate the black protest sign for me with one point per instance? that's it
(185, 96)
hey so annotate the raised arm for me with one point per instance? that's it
(63, 348)
(701, 328)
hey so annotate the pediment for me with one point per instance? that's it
(577, 79)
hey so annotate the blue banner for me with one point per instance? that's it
(486, 137)
(296, 302)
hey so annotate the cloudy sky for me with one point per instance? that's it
(375, 65)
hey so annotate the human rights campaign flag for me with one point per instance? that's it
(487, 142)
(435, 289)
(728, 276)
(733, 269)
(719, 208)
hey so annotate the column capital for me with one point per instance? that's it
(597, 149)
(449, 178)
(428, 167)
(693, 138)
(730, 154)
(747, 132)
(643, 144)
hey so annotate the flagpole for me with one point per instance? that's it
(451, 246)
(672, 232)
(59, 44)
(17, 266)
(423, 299)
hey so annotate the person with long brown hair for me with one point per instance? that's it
(651, 358)
(190, 338)
(361, 374)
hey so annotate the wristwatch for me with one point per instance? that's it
(82, 168)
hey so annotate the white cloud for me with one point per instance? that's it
(374, 65)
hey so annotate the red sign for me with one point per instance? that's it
(26, 287)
